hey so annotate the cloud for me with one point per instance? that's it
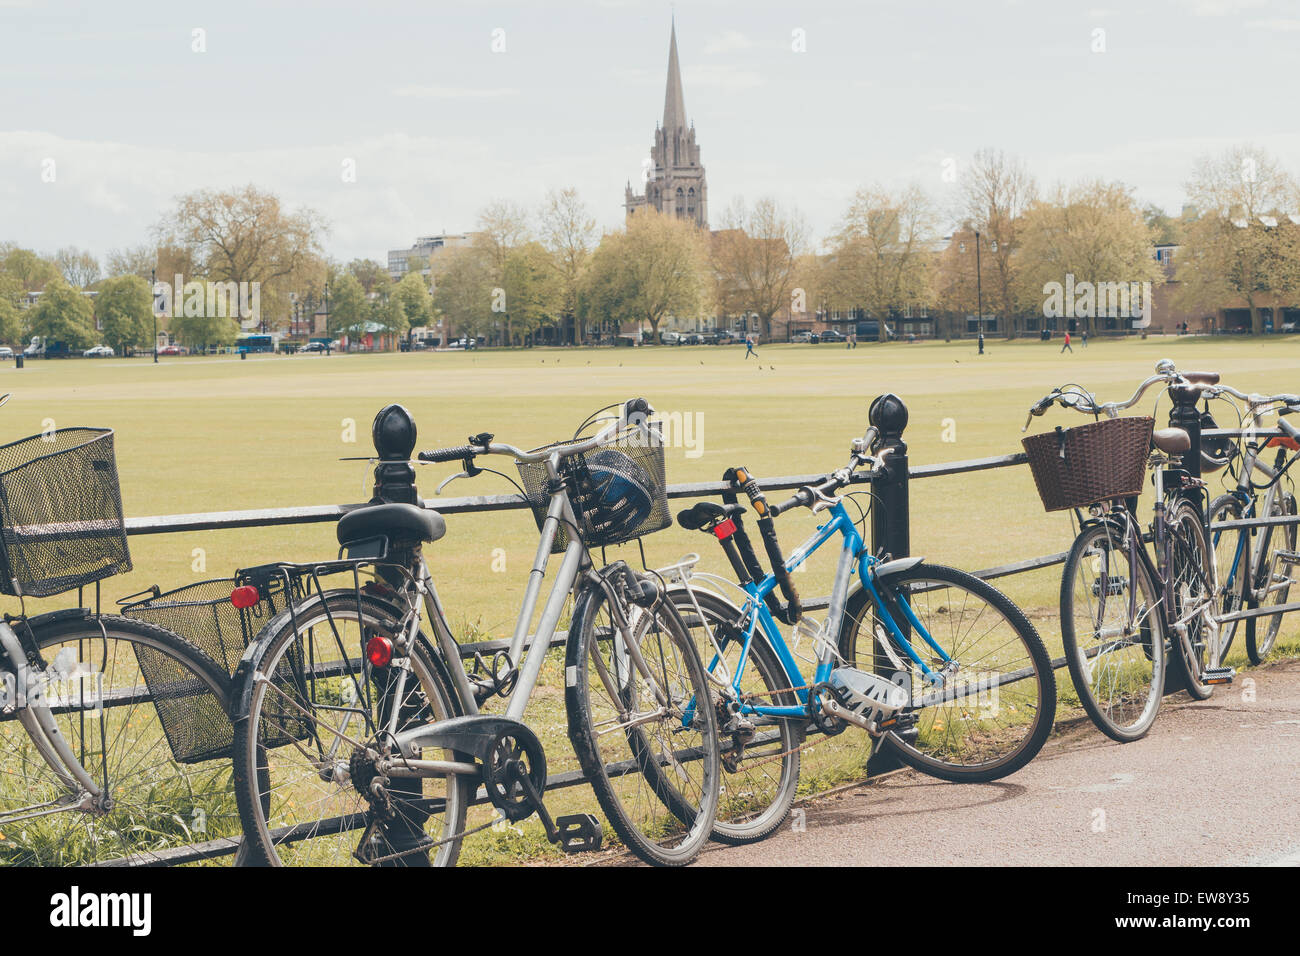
(729, 41)
(1275, 25)
(1220, 8)
(453, 92)
(718, 77)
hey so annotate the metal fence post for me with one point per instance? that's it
(891, 531)
(1183, 414)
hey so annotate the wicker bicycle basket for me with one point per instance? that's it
(640, 460)
(61, 524)
(1076, 467)
(194, 722)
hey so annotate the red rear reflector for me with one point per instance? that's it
(724, 529)
(244, 596)
(379, 651)
(1282, 441)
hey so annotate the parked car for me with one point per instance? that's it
(99, 351)
(313, 347)
(171, 350)
(1291, 326)
(833, 335)
(670, 338)
(6, 352)
(730, 337)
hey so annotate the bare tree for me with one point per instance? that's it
(755, 255)
(569, 235)
(80, 269)
(996, 191)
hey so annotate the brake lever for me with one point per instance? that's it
(446, 481)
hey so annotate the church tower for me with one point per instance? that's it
(673, 177)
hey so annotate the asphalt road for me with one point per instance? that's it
(1214, 783)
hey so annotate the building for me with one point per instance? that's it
(674, 179)
(399, 260)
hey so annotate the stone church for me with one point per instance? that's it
(673, 177)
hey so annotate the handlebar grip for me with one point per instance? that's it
(637, 406)
(794, 501)
(458, 453)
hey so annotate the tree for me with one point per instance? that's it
(657, 267)
(462, 292)
(411, 297)
(63, 314)
(124, 309)
(533, 290)
(245, 235)
(880, 259)
(11, 316)
(372, 275)
(502, 228)
(141, 260)
(80, 269)
(32, 270)
(386, 313)
(996, 191)
(755, 255)
(1241, 242)
(349, 309)
(1093, 232)
(569, 234)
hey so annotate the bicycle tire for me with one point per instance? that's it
(749, 808)
(1230, 549)
(1107, 702)
(1021, 727)
(160, 806)
(1191, 563)
(271, 783)
(659, 822)
(1258, 649)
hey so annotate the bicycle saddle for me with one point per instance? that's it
(707, 512)
(1172, 441)
(399, 523)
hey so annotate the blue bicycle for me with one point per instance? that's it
(930, 661)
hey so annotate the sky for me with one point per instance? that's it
(395, 120)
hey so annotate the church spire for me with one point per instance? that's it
(674, 104)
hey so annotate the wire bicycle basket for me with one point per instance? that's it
(618, 490)
(1088, 464)
(61, 522)
(196, 726)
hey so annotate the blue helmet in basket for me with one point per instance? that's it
(616, 496)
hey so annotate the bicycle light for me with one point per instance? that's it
(379, 651)
(244, 596)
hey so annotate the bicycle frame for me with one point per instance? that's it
(758, 618)
(1247, 493)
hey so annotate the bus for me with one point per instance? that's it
(255, 342)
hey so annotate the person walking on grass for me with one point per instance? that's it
(1066, 346)
(1084, 338)
(749, 347)
(981, 352)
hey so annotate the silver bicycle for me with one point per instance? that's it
(91, 770)
(360, 735)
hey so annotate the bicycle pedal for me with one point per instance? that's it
(578, 832)
(1218, 675)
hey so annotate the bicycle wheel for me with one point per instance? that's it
(652, 762)
(303, 779)
(760, 755)
(981, 729)
(1231, 548)
(1277, 578)
(1191, 567)
(1113, 633)
(121, 729)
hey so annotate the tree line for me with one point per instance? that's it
(549, 275)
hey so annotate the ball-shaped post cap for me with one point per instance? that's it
(888, 413)
(393, 433)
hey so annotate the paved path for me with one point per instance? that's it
(1214, 783)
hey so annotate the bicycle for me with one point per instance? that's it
(934, 664)
(1254, 570)
(350, 719)
(1122, 609)
(91, 768)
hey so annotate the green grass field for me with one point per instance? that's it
(220, 434)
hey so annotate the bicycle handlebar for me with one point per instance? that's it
(633, 412)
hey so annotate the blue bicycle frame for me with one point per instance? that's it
(757, 616)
